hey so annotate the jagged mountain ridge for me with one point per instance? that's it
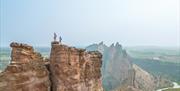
(118, 71)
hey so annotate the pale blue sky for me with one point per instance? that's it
(82, 22)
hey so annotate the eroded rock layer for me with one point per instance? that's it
(26, 72)
(68, 69)
(74, 69)
(23, 53)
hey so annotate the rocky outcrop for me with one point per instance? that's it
(117, 68)
(74, 69)
(26, 72)
(69, 69)
(118, 71)
(23, 53)
(143, 80)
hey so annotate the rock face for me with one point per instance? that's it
(23, 53)
(118, 71)
(26, 72)
(75, 69)
(143, 80)
(69, 69)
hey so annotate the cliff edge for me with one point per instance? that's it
(26, 71)
(68, 69)
(75, 69)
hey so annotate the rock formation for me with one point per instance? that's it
(69, 69)
(75, 69)
(143, 80)
(23, 53)
(26, 72)
(118, 71)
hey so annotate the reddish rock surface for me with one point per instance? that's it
(26, 72)
(69, 69)
(75, 69)
(23, 53)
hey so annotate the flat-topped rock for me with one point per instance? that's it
(75, 69)
(26, 72)
(23, 53)
(21, 45)
(54, 42)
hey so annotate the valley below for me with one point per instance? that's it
(176, 87)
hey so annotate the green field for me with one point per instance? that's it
(173, 89)
(164, 62)
(155, 53)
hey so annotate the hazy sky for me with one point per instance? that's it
(83, 22)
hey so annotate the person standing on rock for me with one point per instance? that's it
(60, 39)
(55, 36)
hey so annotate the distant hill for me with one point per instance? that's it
(160, 61)
(165, 54)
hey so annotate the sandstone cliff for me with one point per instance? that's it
(69, 69)
(26, 72)
(75, 69)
